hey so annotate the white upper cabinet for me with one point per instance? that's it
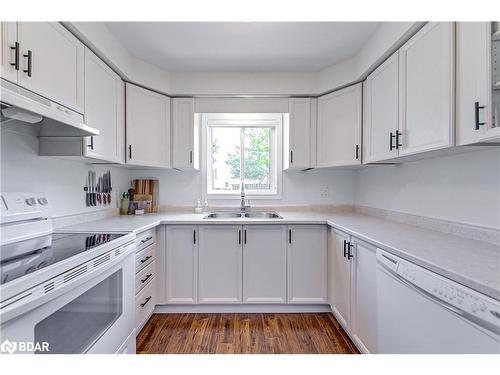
(478, 67)
(380, 111)
(185, 135)
(339, 276)
(52, 63)
(10, 53)
(307, 264)
(220, 264)
(147, 127)
(426, 87)
(339, 128)
(104, 110)
(297, 135)
(181, 264)
(264, 264)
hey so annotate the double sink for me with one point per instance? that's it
(242, 215)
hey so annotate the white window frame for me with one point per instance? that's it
(250, 120)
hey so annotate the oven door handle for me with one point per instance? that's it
(32, 298)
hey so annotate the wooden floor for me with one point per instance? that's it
(306, 333)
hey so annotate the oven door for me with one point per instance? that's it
(95, 317)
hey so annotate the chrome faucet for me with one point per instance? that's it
(243, 206)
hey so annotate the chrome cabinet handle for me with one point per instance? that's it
(146, 301)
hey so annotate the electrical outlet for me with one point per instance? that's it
(324, 192)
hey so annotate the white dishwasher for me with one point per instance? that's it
(422, 312)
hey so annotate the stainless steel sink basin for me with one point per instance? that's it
(223, 215)
(262, 215)
(238, 215)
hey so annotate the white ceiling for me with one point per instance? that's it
(242, 46)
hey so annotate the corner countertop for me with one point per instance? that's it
(472, 263)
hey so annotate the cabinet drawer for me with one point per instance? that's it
(145, 257)
(144, 305)
(144, 276)
(144, 239)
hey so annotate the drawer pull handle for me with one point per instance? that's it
(146, 278)
(146, 240)
(146, 301)
(146, 259)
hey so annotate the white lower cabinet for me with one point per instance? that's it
(264, 264)
(181, 279)
(352, 287)
(220, 264)
(339, 272)
(307, 264)
(364, 296)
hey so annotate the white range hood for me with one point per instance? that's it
(55, 120)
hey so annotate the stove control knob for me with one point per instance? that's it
(43, 201)
(30, 201)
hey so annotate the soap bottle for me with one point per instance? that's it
(205, 206)
(198, 209)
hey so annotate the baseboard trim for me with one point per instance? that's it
(281, 308)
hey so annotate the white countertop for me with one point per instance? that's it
(472, 263)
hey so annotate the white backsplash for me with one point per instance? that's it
(62, 180)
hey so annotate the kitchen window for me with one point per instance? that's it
(242, 149)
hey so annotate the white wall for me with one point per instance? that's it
(299, 188)
(463, 188)
(62, 180)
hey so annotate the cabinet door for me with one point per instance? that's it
(57, 63)
(473, 52)
(9, 51)
(297, 135)
(220, 264)
(426, 86)
(185, 146)
(339, 127)
(307, 266)
(364, 296)
(147, 127)
(264, 264)
(104, 110)
(380, 111)
(181, 260)
(339, 277)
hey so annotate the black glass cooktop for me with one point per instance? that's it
(24, 257)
